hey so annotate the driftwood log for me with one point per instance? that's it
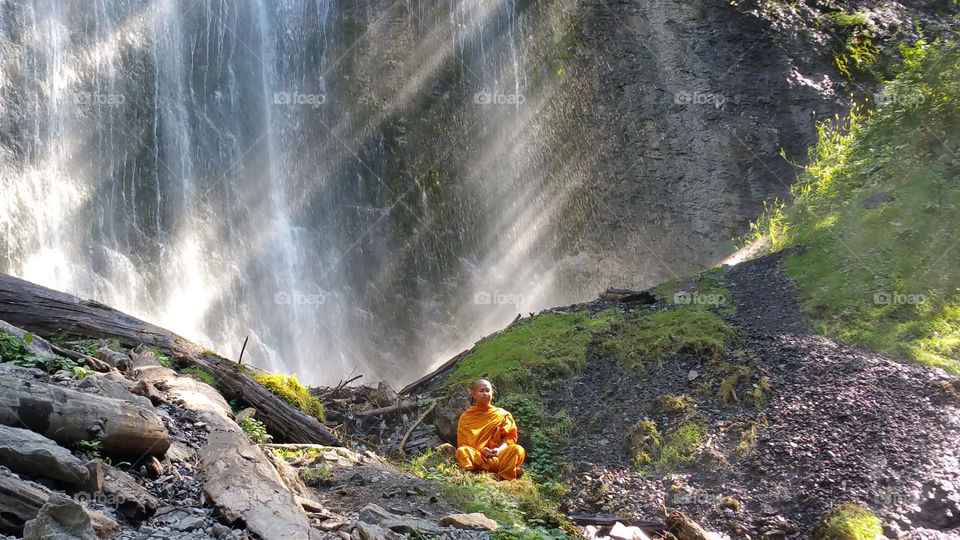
(123, 428)
(48, 313)
(238, 479)
(684, 528)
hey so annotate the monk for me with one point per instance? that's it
(487, 436)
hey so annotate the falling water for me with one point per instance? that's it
(181, 160)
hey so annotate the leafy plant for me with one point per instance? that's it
(89, 449)
(13, 350)
(255, 430)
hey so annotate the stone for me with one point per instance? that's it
(619, 531)
(61, 518)
(132, 500)
(249, 412)
(384, 395)
(34, 455)
(367, 531)
(375, 514)
(95, 481)
(474, 521)
(148, 391)
(448, 413)
(116, 359)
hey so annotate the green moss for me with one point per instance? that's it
(848, 522)
(853, 49)
(673, 404)
(702, 290)
(640, 338)
(875, 211)
(748, 437)
(203, 375)
(643, 441)
(679, 444)
(549, 344)
(289, 389)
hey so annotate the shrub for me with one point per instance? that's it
(848, 521)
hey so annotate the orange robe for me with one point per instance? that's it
(488, 427)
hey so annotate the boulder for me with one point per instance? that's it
(474, 521)
(448, 412)
(103, 385)
(34, 455)
(375, 515)
(60, 518)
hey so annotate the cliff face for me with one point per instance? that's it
(377, 184)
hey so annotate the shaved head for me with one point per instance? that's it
(482, 392)
(479, 381)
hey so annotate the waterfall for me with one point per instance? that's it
(184, 161)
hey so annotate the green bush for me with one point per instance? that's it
(255, 430)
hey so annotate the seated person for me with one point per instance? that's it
(487, 436)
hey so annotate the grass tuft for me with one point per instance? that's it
(849, 522)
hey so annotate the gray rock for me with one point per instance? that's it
(375, 515)
(475, 521)
(132, 500)
(34, 455)
(367, 531)
(384, 395)
(107, 387)
(448, 413)
(61, 518)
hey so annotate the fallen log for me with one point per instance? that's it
(238, 479)
(684, 528)
(123, 428)
(47, 312)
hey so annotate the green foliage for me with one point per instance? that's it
(14, 351)
(548, 433)
(255, 430)
(316, 474)
(520, 503)
(289, 389)
(89, 449)
(515, 532)
(853, 49)
(848, 522)
(88, 347)
(640, 338)
(875, 210)
(202, 374)
(163, 359)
